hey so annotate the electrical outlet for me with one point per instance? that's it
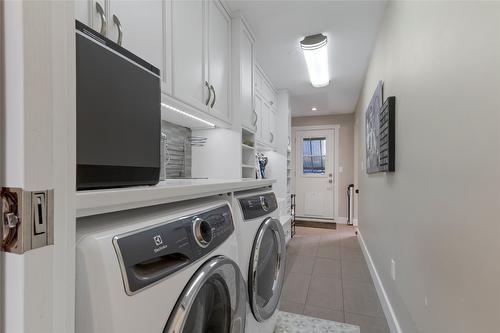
(393, 269)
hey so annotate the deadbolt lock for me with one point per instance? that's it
(28, 219)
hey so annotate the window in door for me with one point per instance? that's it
(314, 156)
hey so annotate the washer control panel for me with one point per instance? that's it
(258, 205)
(149, 255)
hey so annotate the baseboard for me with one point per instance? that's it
(392, 320)
(341, 220)
(312, 219)
(355, 222)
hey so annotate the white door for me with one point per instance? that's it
(314, 179)
(272, 126)
(141, 26)
(219, 60)
(246, 80)
(266, 131)
(188, 63)
(258, 111)
(92, 13)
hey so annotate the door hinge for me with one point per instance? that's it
(28, 219)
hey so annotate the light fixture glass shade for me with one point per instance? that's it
(316, 55)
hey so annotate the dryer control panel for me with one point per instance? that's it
(149, 255)
(258, 205)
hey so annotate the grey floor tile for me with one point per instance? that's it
(299, 264)
(303, 249)
(348, 253)
(361, 298)
(329, 268)
(324, 313)
(356, 270)
(325, 292)
(328, 251)
(291, 307)
(350, 242)
(295, 288)
(367, 324)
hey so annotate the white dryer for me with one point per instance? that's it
(262, 249)
(163, 269)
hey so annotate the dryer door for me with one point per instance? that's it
(267, 269)
(213, 301)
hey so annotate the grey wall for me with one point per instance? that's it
(346, 149)
(438, 214)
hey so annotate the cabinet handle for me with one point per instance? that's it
(209, 93)
(104, 22)
(255, 118)
(215, 96)
(120, 30)
(272, 137)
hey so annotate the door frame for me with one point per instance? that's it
(336, 129)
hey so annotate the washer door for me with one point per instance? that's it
(267, 269)
(213, 301)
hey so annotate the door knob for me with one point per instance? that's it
(330, 181)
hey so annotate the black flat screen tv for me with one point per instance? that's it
(118, 115)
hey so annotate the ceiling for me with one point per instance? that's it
(351, 28)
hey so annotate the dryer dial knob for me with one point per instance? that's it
(203, 233)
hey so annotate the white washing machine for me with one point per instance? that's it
(163, 269)
(262, 250)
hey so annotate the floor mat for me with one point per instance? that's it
(312, 224)
(295, 323)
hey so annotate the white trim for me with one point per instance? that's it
(341, 220)
(355, 222)
(336, 131)
(312, 219)
(390, 315)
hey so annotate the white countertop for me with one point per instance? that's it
(95, 202)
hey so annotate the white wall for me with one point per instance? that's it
(438, 214)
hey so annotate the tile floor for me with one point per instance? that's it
(327, 277)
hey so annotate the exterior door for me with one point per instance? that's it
(213, 301)
(314, 177)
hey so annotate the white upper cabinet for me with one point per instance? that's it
(188, 53)
(243, 74)
(138, 26)
(266, 96)
(218, 45)
(258, 115)
(201, 41)
(272, 127)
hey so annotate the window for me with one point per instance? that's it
(314, 155)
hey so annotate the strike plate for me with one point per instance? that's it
(28, 219)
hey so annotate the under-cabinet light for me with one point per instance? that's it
(315, 51)
(187, 115)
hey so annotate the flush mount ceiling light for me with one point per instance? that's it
(315, 51)
(314, 109)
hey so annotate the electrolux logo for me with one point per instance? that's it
(158, 240)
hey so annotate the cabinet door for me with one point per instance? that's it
(266, 131)
(258, 111)
(92, 13)
(188, 56)
(246, 80)
(272, 127)
(219, 60)
(141, 24)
